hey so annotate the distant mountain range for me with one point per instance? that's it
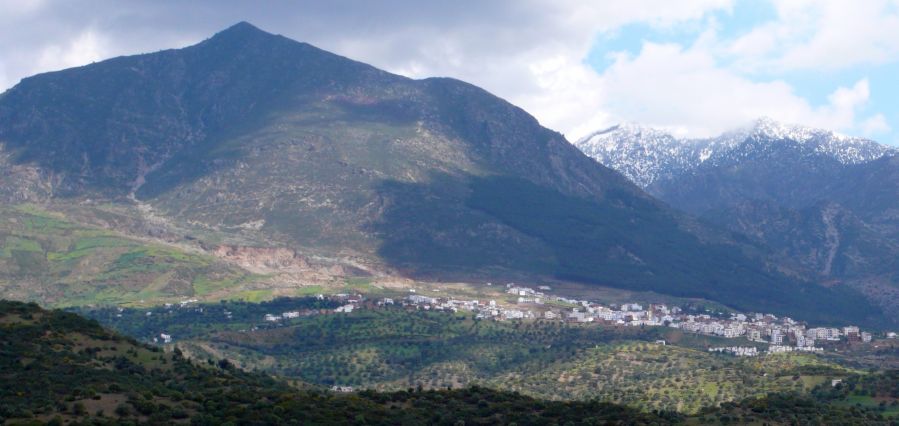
(645, 155)
(277, 155)
(826, 203)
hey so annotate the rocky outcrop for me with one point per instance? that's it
(263, 259)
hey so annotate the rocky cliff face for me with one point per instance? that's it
(263, 259)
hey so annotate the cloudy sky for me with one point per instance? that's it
(696, 67)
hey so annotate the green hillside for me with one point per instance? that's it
(48, 258)
(391, 349)
(59, 368)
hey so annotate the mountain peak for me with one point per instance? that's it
(242, 28)
(629, 128)
(626, 141)
(769, 128)
(766, 122)
(242, 34)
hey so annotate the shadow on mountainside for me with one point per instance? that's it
(491, 224)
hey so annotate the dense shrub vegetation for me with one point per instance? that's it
(59, 367)
(395, 348)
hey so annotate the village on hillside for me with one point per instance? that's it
(781, 334)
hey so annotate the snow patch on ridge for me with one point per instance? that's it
(645, 155)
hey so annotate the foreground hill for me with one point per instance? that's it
(252, 139)
(826, 204)
(61, 368)
(58, 367)
(392, 349)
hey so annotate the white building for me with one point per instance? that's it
(731, 332)
(823, 333)
(345, 309)
(631, 307)
(755, 335)
(832, 333)
(422, 300)
(580, 316)
(776, 337)
(737, 350)
(774, 349)
(513, 314)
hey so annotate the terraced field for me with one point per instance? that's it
(44, 256)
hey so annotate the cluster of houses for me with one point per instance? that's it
(165, 338)
(482, 309)
(782, 334)
(769, 329)
(350, 302)
(186, 303)
(750, 351)
(782, 348)
(737, 350)
(282, 316)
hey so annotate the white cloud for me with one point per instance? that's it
(87, 47)
(844, 102)
(714, 84)
(875, 125)
(846, 34)
(533, 56)
(4, 79)
(687, 91)
(709, 86)
(566, 96)
(17, 9)
(816, 34)
(530, 52)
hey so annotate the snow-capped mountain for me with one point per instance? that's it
(822, 202)
(646, 155)
(641, 154)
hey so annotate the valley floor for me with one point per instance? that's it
(389, 348)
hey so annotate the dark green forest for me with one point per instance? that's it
(59, 367)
